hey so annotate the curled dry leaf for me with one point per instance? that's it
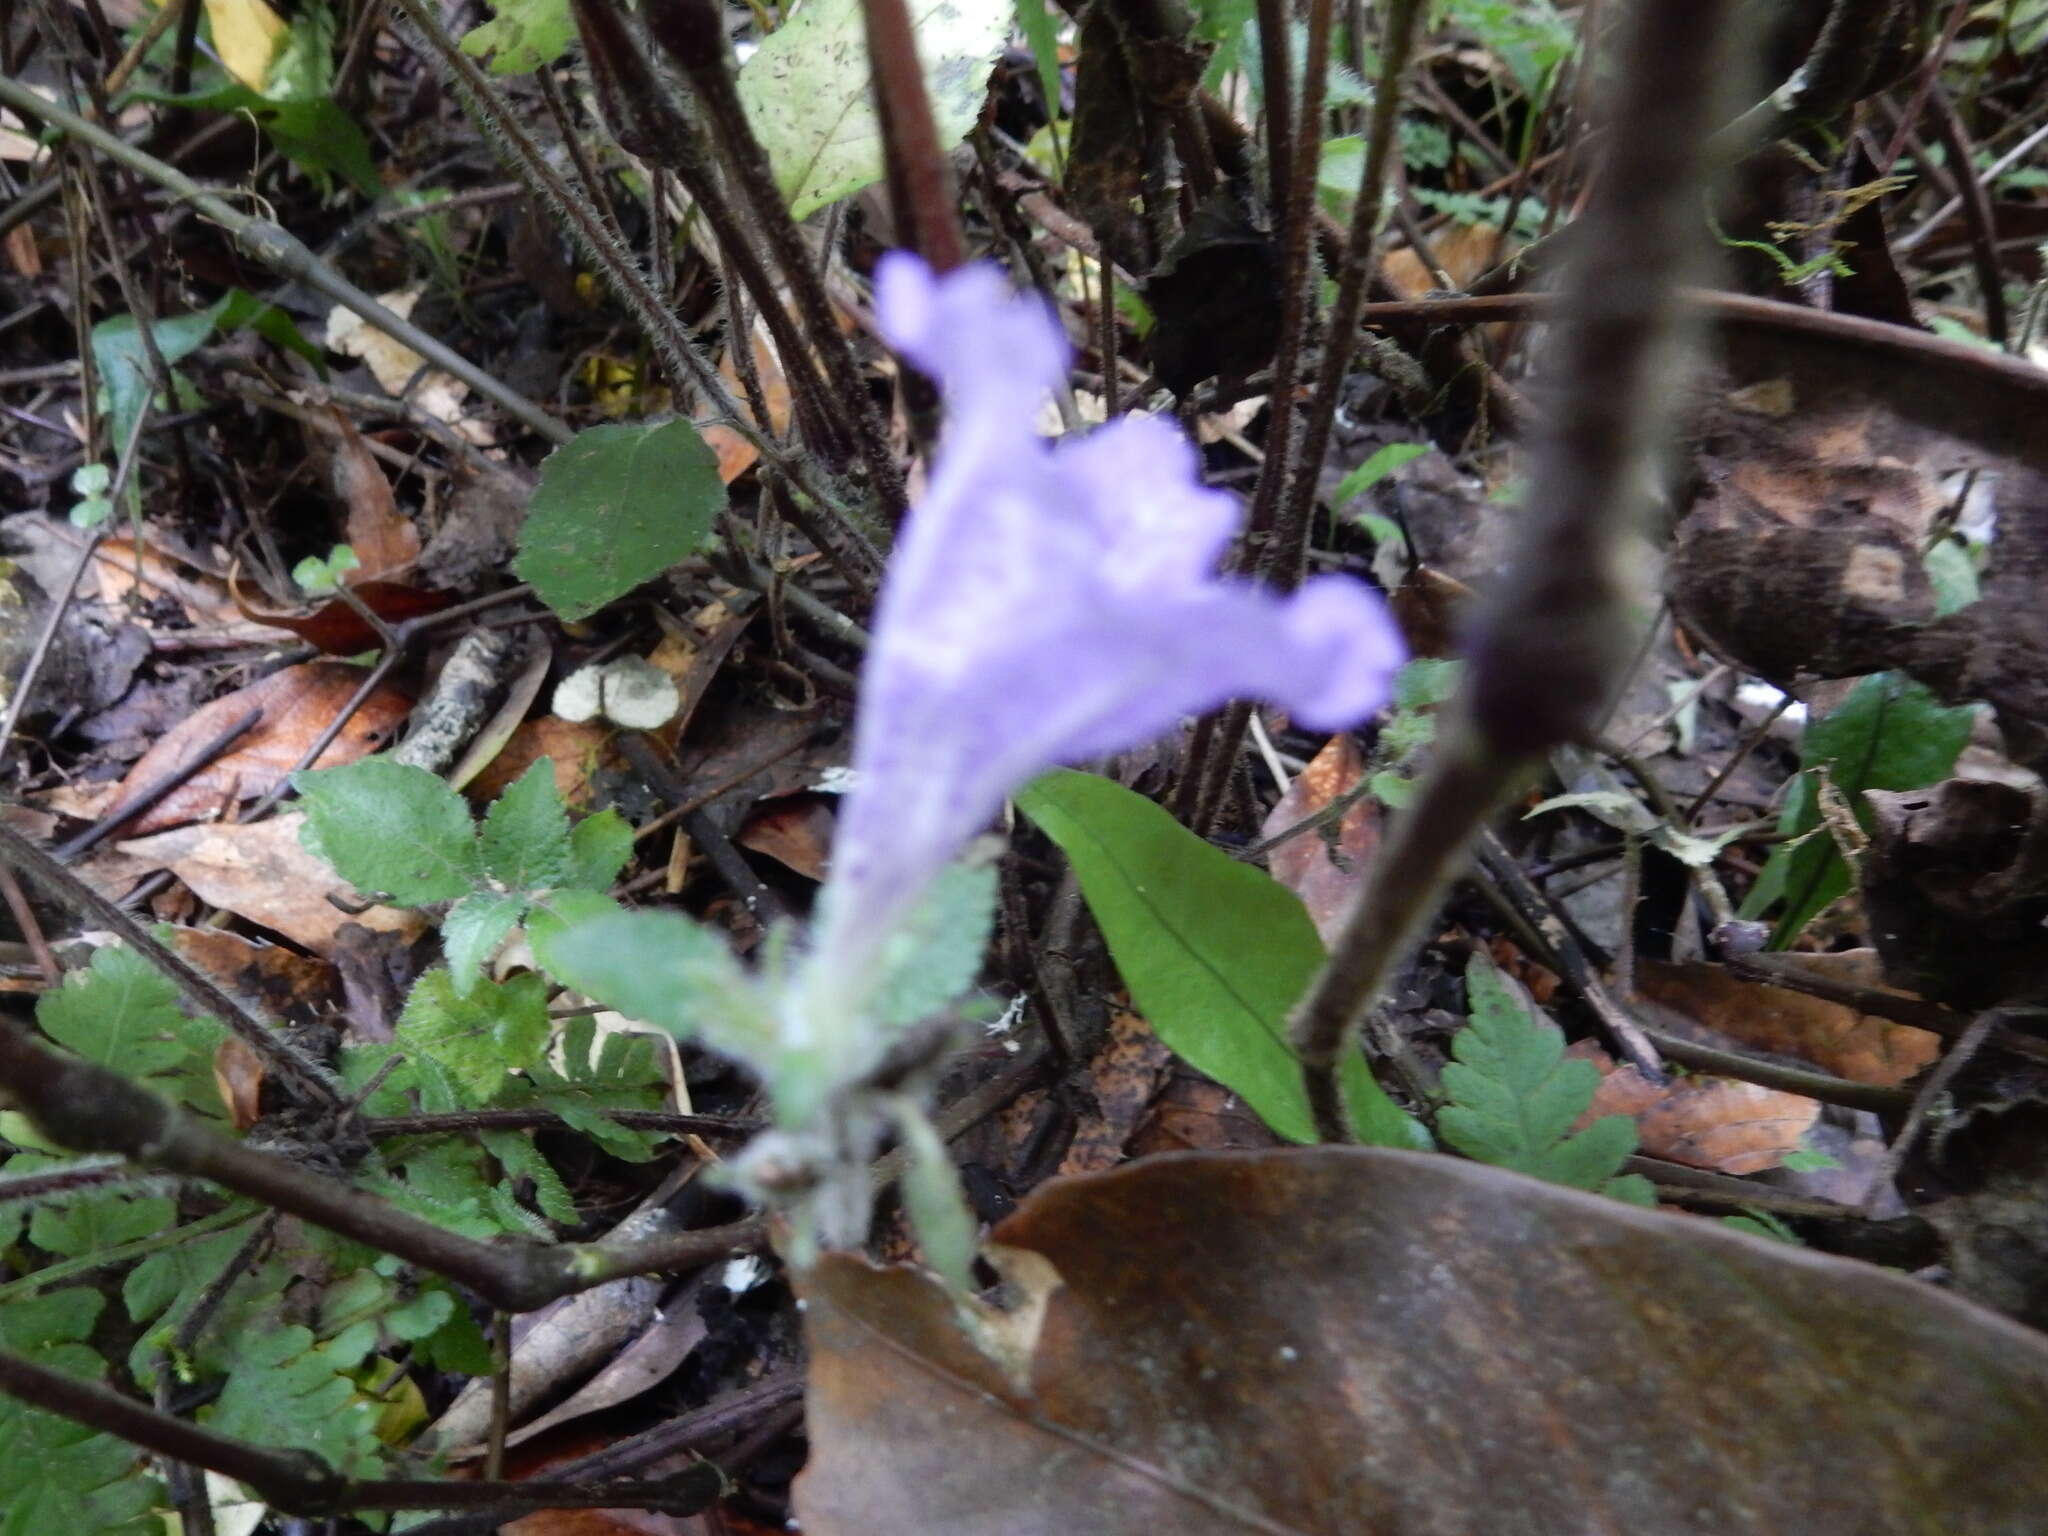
(383, 538)
(294, 706)
(259, 870)
(238, 1074)
(1707, 1002)
(1364, 1342)
(1325, 866)
(1703, 1122)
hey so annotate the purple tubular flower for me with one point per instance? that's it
(1051, 603)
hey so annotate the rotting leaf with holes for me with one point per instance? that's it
(1214, 952)
(616, 506)
(1349, 1340)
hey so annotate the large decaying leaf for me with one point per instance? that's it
(1214, 951)
(806, 90)
(1363, 1341)
(616, 506)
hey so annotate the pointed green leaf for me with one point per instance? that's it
(599, 849)
(472, 931)
(1214, 951)
(1515, 1095)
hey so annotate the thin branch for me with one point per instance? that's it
(293, 1067)
(1560, 636)
(693, 34)
(920, 191)
(91, 1108)
(300, 1483)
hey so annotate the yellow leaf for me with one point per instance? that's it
(246, 35)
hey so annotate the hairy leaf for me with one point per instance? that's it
(526, 844)
(392, 828)
(472, 931)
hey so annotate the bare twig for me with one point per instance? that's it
(292, 1066)
(1559, 637)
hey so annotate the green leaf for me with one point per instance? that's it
(1952, 573)
(520, 1158)
(315, 134)
(123, 1012)
(1214, 951)
(524, 36)
(662, 969)
(290, 1391)
(478, 1036)
(1514, 1094)
(936, 1204)
(806, 90)
(526, 833)
(625, 1072)
(599, 849)
(1041, 30)
(932, 959)
(1890, 733)
(472, 931)
(616, 506)
(103, 1219)
(389, 827)
(1375, 469)
(57, 1475)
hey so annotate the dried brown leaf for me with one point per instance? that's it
(1359, 1341)
(1858, 1046)
(1325, 866)
(295, 705)
(260, 871)
(1703, 1122)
